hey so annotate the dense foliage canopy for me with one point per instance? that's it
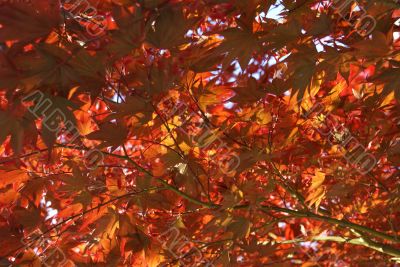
(199, 133)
